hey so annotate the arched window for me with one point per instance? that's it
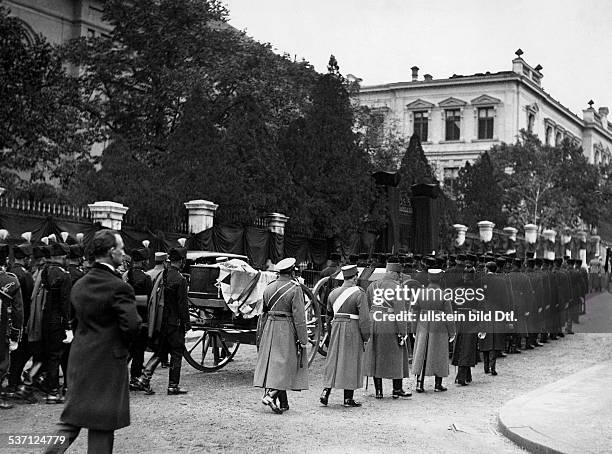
(548, 134)
(530, 122)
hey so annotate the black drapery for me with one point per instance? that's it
(256, 243)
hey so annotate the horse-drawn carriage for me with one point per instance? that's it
(225, 301)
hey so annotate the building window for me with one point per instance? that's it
(421, 123)
(453, 124)
(530, 122)
(450, 175)
(548, 134)
(558, 138)
(91, 33)
(485, 122)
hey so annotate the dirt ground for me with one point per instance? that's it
(223, 413)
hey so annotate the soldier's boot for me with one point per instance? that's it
(544, 338)
(282, 400)
(268, 399)
(174, 390)
(486, 356)
(529, 342)
(462, 376)
(348, 399)
(378, 387)
(54, 397)
(569, 328)
(26, 392)
(469, 374)
(4, 405)
(493, 362)
(398, 390)
(325, 396)
(438, 387)
(144, 381)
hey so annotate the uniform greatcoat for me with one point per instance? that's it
(283, 321)
(107, 321)
(497, 298)
(384, 357)
(431, 343)
(350, 329)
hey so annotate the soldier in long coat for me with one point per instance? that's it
(491, 340)
(350, 329)
(387, 351)
(432, 337)
(20, 357)
(465, 348)
(11, 305)
(282, 339)
(106, 323)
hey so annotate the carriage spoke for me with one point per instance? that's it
(197, 343)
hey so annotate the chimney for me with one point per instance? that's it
(428, 77)
(415, 73)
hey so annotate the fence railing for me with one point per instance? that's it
(37, 208)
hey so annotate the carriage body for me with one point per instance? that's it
(225, 301)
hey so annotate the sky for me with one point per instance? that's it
(380, 40)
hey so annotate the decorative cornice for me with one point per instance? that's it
(485, 100)
(419, 104)
(452, 102)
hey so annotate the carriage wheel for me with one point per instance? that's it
(209, 351)
(320, 292)
(313, 323)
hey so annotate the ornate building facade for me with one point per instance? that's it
(60, 20)
(460, 117)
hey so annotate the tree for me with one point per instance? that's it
(43, 136)
(192, 105)
(331, 188)
(553, 187)
(480, 195)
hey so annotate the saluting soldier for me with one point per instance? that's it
(21, 355)
(11, 317)
(175, 323)
(56, 323)
(282, 339)
(350, 329)
(387, 351)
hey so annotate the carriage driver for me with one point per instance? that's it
(281, 339)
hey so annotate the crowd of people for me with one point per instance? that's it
(103, 310)
(539, 298)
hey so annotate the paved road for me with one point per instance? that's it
(222, 412)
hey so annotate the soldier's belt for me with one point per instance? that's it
(388, 310)
(280, 314)
(345, 316)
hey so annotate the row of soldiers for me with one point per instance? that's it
(367, 339)
(37, 319)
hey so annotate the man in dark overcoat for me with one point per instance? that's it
(465, 347)
(106, 322)
(348, 306)
(175, 323)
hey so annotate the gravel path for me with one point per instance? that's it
(223, 413)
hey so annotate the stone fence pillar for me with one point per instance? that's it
(108, 214)
(201, 215)
(277, 222)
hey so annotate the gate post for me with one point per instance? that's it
(108, 214)
(201, 215)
